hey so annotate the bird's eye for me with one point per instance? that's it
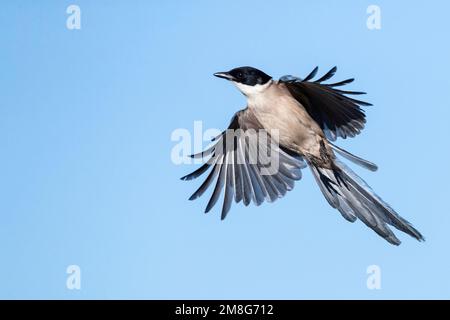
(240, 75)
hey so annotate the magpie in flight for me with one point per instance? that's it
(307, 116)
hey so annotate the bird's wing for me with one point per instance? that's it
(336, 113)
(248, 164)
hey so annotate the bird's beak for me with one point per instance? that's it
(224, 75)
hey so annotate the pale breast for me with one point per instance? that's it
(277, 110)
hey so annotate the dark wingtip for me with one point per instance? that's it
(187, 177)
(312, 74)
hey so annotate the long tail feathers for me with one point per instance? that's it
(354, 199)
(355, 159)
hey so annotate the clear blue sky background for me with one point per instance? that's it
(86, 176)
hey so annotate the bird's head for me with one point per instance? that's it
(247, 79)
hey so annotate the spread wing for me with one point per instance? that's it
(336, 113)
(248, 164)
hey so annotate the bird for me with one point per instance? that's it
(294, 122)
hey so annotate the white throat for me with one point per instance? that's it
(252, 91)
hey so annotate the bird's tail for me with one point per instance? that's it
(354, 199)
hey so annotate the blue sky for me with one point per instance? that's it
(87, 179)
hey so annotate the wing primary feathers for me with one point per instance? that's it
(350, 92)
(253, 160)
(219, 185)
(238, 183)
(337, 114)
(197, 172)
(362, 103)
(204, 153)
(312, 74)
(248, 190)
(229, 188)
(207, 181)
(254, 177)
(340, 83)
(327, 76)
(241, 172)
